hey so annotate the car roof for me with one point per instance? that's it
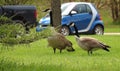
(77, 3)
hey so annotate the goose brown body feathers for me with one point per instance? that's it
(58, 41)
(88, 43)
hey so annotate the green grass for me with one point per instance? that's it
(112, 28)
(38, 57)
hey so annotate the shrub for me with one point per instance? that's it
(4, 20)
(15, 34)
(13, 2)
(12, 33)
(9, 33)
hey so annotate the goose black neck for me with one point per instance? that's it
(51, 19)
(76, 31)
(46, 10)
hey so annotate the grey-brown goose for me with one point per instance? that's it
(58, 41)
(88, 43)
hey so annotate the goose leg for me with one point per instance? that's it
(89, 52)
(60, 50)
(54, 50)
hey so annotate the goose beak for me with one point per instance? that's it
(70, 50)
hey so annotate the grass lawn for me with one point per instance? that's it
(112, 28)
(38, 57)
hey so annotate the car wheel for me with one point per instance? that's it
(98, 30)
(65, 30)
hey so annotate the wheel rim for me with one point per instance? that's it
(65, 31)
(99, 30)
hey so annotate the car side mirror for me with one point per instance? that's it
(73, 12)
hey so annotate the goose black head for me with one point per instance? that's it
(46, 10)
(76, 30)
(70, 49)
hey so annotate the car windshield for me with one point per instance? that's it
(63, 8)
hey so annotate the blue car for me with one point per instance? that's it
(83, 14)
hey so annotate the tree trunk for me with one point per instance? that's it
(98, 3)
(119, 9)
(70, 0)
(56, 12)
(86, 0)
(115, 10)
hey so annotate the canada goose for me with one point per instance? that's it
(50, 13)
(58, 41)
(87, 43)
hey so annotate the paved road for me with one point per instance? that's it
(111, 33)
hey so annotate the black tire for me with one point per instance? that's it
(65, 30)
(98, 30)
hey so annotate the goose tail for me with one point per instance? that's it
(106, 49)
(107, 46)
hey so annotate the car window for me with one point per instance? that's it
(88, 9)
(82, 8)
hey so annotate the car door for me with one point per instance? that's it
(83, 16)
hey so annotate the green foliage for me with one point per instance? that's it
(34, 36)
(12, 2)
(9, 29)
(13, 34)
(10, 32)
(4, 20)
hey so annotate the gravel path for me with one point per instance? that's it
(111, 33)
